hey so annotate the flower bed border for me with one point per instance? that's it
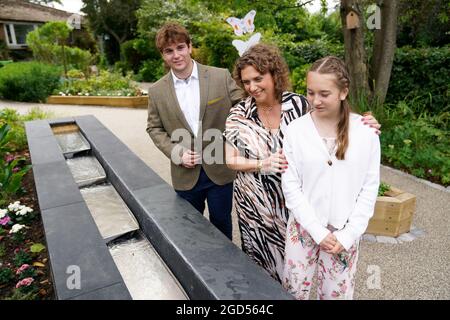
(128, 102)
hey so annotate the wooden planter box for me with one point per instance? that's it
(130, 102)
(393, 213)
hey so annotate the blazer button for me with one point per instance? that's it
(329, 162)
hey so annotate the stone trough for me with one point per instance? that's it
(116, 230)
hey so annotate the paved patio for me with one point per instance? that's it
(410, 270)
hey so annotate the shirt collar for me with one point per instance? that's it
(194, 75)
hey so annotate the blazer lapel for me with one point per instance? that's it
(203, 78)
(173, 101)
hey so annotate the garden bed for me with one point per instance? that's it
(27, 258)
(130, 102)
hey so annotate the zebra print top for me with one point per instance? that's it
(258, 199)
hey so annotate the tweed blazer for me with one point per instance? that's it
(218, 92)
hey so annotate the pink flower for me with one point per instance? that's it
(22, 268)
(4, 221)
(25, 282)
(9, 158)
(335, 294)
(16, 169)
(343, 288)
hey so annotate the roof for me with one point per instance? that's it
(21, 10)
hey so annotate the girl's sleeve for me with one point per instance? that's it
(296, 201)
(365, 203)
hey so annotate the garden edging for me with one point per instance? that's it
(129, 102)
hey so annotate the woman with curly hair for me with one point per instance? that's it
(254, 133)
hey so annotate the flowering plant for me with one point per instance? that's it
(17, 232)
(17, 213)
(25, 271)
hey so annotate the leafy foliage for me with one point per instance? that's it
(28, 81)
(415, 141)
(423, 73)
(116, 18)
(106, 84)
(48, 46)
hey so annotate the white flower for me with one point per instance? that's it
(86, 94)
(128, 95)
(79, 93)
(14, 206)
(3, 213)
(63, 94)
(16, 228)
(119, 94)
(60, 93)
(23, 210)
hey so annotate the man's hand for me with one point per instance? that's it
(190, 158)
(369, 120)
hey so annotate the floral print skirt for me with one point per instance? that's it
(335, 274)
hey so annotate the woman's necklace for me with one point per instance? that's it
(265, 112)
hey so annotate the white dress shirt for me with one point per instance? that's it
(321, 190)
(188, 95)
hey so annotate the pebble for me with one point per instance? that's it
(383, 239)
(369, 238)
(406, 237)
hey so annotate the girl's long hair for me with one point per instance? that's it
(335, 66)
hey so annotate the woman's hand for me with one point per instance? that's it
(370, 120)
(276, 163)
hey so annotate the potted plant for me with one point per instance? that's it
(394, 211)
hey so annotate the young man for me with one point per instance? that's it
(188, 101)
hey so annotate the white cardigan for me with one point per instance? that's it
(342, 194)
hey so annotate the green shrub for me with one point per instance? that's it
(423, 73)
(16, 135)
(13, 139)
(151, 70)
(307, 52)
(418, 143)
(136, 51)
(298, 78)
(105, 84)
(6, 275)
(28, 81)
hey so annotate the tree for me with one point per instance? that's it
(116, 18)
(48, 44)
(370, 80)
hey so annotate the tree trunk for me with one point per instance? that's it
(355, 54)
(384, 49)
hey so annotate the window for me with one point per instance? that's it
(16, 33)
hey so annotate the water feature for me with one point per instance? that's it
(144, 273)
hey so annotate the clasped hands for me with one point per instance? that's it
(189, 159)
(331, 245)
